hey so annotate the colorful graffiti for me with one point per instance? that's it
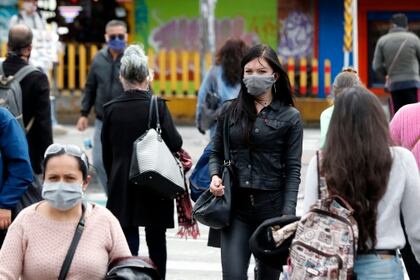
(296, 35)
(183, 33)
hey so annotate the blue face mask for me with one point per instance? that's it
(116, 44)
(61, 195)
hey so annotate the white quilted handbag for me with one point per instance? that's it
(153, 165)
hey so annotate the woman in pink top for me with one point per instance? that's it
(38, 240)
(405, 129)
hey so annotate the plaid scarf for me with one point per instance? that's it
(186, 223)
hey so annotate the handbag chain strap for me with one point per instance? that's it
(154, 103)
(76, 238)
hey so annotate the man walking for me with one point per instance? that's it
(102, 85)
(36, 108)
(15, 168)
(397, 56)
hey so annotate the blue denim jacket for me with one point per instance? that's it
(15, 166)
(213, 81)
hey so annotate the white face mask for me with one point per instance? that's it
(258, 84)
(62, 196)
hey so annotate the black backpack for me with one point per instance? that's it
(11, 92)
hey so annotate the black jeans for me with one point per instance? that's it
(251, 208)
(156, 243)
(403, 97)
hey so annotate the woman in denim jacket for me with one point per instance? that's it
(265, 138)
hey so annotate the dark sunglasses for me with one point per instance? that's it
(119, 36)
(72, 150)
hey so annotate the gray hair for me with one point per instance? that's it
(134, 67)
(115, 22)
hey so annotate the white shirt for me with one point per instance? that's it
(402, 196)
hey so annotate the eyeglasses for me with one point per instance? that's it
(349, 69)
(119, 36)
(68, 149)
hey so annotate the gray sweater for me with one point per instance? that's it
(406, 67)
(402, 195)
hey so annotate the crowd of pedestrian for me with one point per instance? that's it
(246, 103)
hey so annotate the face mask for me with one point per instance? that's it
(62, 196)
(258, 84)
(116, 44)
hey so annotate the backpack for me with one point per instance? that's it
(325, 244)
(200, 176)
(212, 104)
(11, 92)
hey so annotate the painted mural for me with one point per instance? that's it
(296, 28)
(162, 25)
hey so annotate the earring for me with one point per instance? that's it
(275, 90)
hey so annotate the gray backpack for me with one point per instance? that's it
(11, 92)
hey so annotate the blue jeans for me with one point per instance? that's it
(378, 267)
(97, 155)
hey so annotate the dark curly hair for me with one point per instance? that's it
(229, 57)
(357, 159)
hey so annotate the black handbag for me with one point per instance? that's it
(129, 268)
(214, 211)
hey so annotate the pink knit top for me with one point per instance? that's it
(35, 246)
(405, 129)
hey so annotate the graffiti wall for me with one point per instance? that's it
(161, 24)
(295, 28)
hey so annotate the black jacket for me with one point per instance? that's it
(272, 161)
(102, 83)
(126, 119)
(35, 104)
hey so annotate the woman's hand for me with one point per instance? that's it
(216, 187)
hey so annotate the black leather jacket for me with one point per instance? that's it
(273, 161)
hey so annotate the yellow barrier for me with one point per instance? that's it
(185, 72)
(178, 72)
(197, 72)
(71, 66)
(173, 72)
(3, 49)
(82, 66)
(162, 72)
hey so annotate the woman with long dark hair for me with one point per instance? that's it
(223, 79)
(265, 135)
(379, 182)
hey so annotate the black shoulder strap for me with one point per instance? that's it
(154, 104)
(226, 138)
(76, 238)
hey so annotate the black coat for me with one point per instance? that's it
(35, 104)
(125, 119)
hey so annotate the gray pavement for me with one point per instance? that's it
(187, 259)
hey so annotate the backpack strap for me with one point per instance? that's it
(24, 71)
